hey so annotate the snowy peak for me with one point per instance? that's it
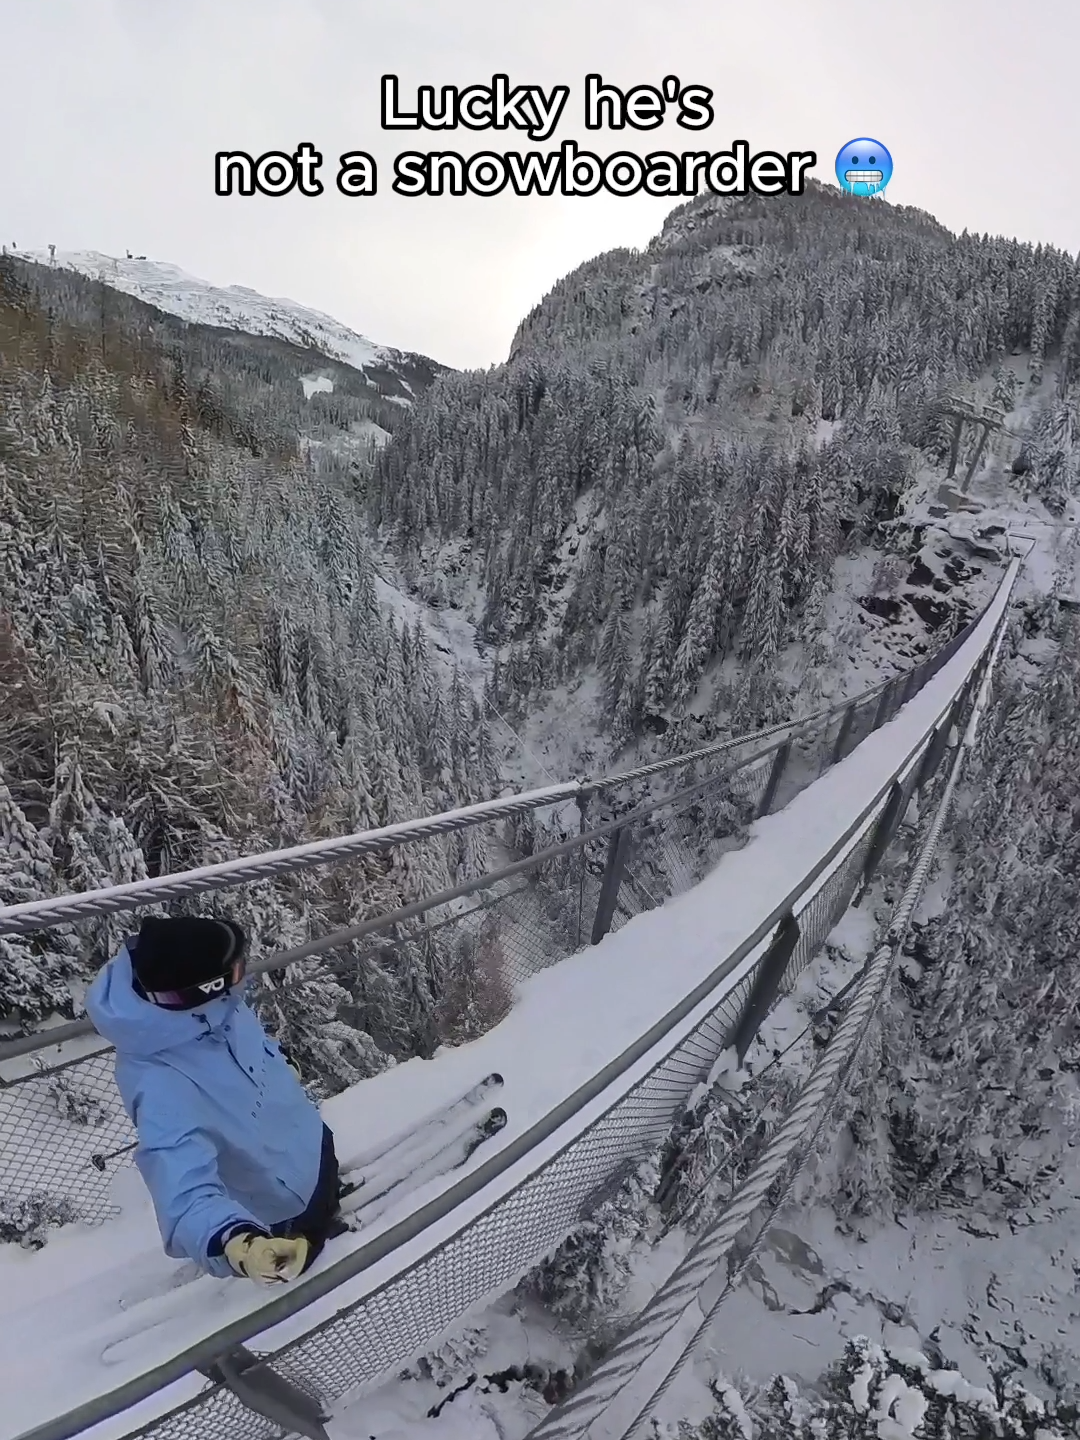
(237, 307)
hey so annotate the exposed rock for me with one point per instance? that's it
(933, 613)
(882, 606)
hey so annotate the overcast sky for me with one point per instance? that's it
(111, 112)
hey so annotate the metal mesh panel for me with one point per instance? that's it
(633, 900)
(818, 918)
(402, 1319)
(217, 1415)
(806, 759)
(53, 1123)
(862, 725)
(521, 925)
(835, 742)
(749, 784)
(678, 846)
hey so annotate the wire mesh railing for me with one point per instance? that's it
(63, 1130)
(335, 1360)
(398, 1320)
(519, 920)
(779, 1164)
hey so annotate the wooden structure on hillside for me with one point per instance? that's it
(965, 412)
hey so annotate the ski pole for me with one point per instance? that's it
(102, 1160)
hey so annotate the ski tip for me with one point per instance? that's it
(493, 1079)
(497, 1116)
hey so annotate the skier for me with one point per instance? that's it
(240, 1167)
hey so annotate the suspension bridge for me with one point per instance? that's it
(689, 894)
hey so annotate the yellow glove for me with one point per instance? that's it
(266, 1259)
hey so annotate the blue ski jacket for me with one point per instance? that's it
(226, 1133)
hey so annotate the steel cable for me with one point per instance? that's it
(575, 1417)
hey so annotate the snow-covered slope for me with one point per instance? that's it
(235, 307)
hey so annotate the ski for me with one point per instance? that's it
(366, 1202)
(492, 1123)
(443, 1140)
(418, 1134)
(405, 1160)
(442, 1151)
(184, 1273)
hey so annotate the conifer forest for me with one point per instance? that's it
(685, 495)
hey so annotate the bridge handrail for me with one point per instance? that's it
(108, 900)
(554, 1135)
(43, 914)
(656, 1329)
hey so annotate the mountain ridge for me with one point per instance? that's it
(240, 308)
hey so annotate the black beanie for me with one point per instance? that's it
(176, 952)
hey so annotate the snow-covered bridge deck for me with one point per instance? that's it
(60, 1309)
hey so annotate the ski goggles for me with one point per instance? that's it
(233, 970)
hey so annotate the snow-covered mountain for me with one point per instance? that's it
(236, 307)
(717, 482)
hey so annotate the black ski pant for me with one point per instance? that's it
(316, 1222)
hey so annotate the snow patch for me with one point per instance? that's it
(367, 430)
(230, 307)
(316, 385)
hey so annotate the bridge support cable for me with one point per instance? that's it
(549, 1178)
(95, 904)
(74, 1029)
(656, 1340)
(34, 915)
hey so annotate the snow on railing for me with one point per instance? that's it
(656, 1347)
(410, 1281)
(107, 900)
